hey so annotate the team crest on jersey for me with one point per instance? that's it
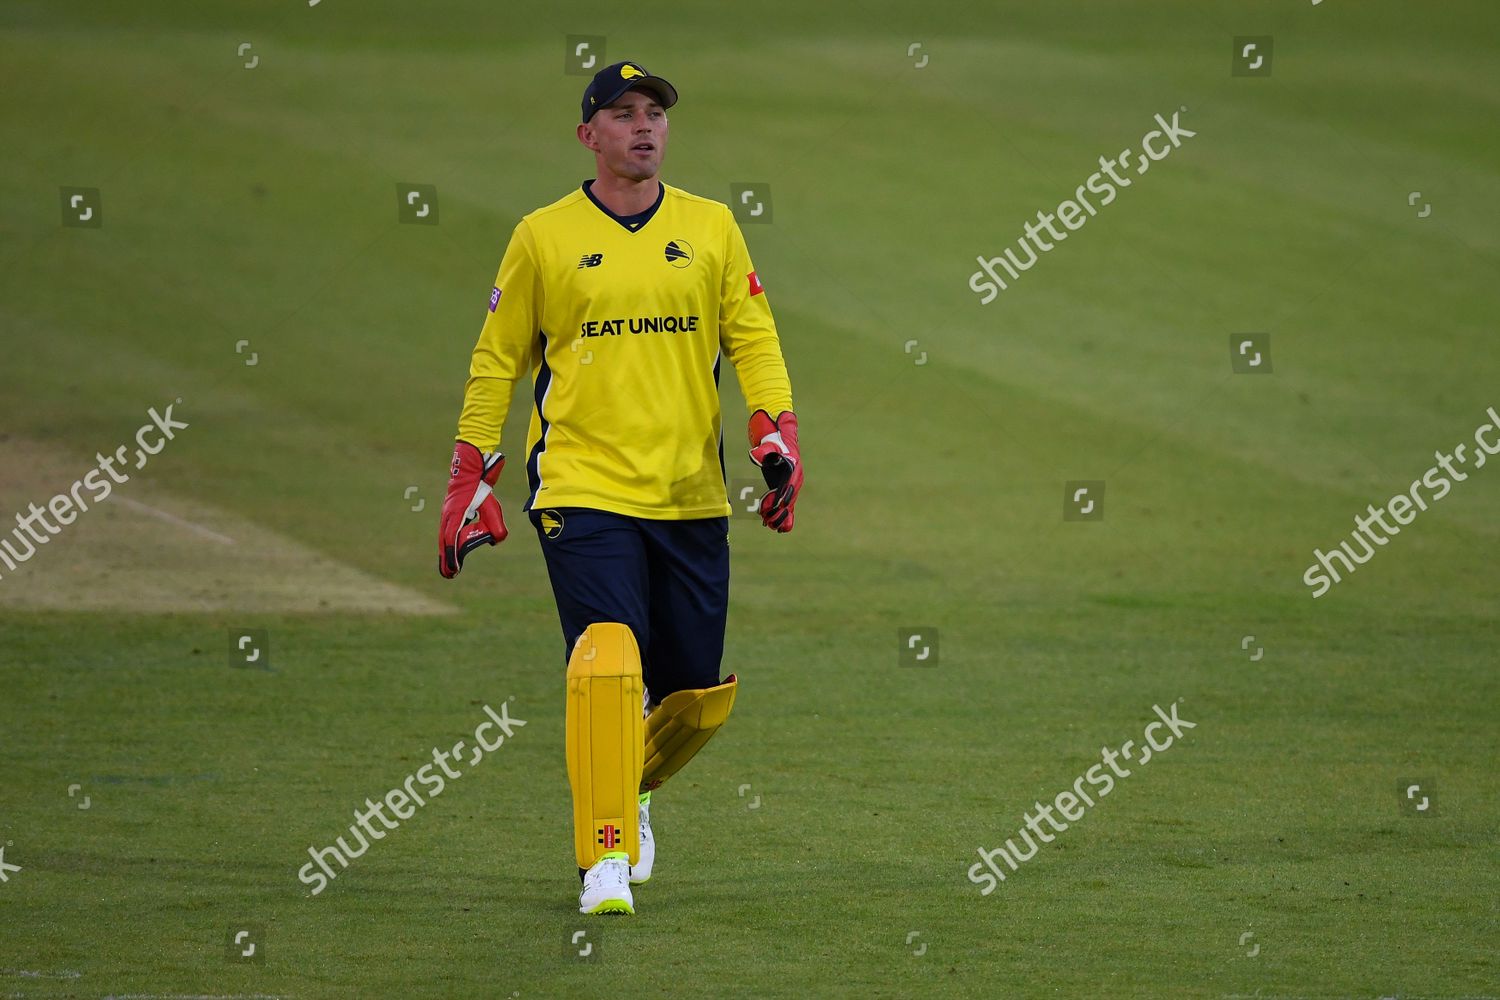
(494, 298)
(552, 523)
(679, 253)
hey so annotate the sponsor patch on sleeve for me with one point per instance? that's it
(494, 298)
(755, 285)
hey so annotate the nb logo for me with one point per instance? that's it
(590, 260)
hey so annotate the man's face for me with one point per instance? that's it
(630, 135)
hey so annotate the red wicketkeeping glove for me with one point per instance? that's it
(773, 447)
(471, 513)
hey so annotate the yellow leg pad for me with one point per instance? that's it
(605, 736)
(680, 725)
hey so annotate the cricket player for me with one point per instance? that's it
(620, 300)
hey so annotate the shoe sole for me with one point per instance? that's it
(639, 881)
(611, 906)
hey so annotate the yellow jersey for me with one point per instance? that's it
(621, 322)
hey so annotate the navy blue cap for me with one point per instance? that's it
(612, 81)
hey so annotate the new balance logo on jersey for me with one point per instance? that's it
(590, 260)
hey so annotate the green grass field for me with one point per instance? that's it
(1268, 854)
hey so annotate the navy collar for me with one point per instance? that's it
(633, 223)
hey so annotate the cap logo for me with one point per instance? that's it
(628, 71)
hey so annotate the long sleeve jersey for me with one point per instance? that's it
(622, 322)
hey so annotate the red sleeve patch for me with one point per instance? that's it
(755, 286)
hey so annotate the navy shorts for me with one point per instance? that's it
(667, 580)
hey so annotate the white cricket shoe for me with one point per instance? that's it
(606, 886)
(640, 872)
